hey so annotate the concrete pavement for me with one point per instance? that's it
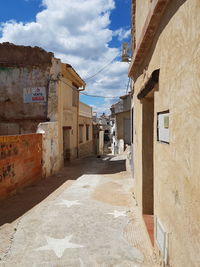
(91, 221)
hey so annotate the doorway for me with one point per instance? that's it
(66, 143)
(127, 131)
(148, 164)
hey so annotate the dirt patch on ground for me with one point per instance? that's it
(117, 176)
(111, 193)
(6, 236)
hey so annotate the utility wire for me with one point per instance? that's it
(90, 77)
(86, 93)
(99, 95)
(128, 85)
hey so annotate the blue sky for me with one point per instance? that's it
(85, 33)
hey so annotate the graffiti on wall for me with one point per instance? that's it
(7, 171)
(8, 150)
(20, 161)
(9, 139)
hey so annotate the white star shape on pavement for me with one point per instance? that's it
(59, 245)
(69, 203)
(117, 213)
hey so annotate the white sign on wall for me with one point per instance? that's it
(163, 127)
(161, 240)
(34, 95)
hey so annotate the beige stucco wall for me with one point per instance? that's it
(86, 147)
(120, 123)
(69, 116)
(142, 10)
(52, 159)
(176, 52)
(85, 110)
(68, 112)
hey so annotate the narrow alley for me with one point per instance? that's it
(84, 216)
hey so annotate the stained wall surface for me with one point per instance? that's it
(20, 162)
(13, 109)
(176, 52)
(52, 159)
(24, 75)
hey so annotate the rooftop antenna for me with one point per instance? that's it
(125, 53)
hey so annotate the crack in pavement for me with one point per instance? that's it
(5, 252)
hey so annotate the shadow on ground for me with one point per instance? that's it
(15, 206)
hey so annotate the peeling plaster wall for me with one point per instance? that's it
(12, 106)
(24, 56)
(54, 90)
(23, 67)
(20, 162)
(176, 52)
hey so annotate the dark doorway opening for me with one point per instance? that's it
(66, 143)
(148, 164)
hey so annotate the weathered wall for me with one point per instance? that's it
(69, 116)
(86, 147)
(54, 91)
(52, 159)
(13, 109)
(68, 103)
(120, 123)
(176, 52)
(23, 72)
(23, 56)
(20, 162)
(101, 143)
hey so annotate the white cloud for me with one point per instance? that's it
(77, 32)
(122, 34)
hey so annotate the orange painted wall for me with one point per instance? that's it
(20, 162)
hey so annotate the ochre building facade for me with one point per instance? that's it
(86, 146)
(38, 94)
(166, 100)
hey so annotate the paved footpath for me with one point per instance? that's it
(88, 222)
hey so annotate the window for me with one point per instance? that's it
(75, 97)
(163, 127)
(80, 133)
(87, 132)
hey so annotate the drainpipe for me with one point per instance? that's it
(77, 137)
(79, 90)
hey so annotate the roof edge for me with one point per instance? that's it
(148, 32)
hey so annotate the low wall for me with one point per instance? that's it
(20, 162)
(52, 158)
(86, 149)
